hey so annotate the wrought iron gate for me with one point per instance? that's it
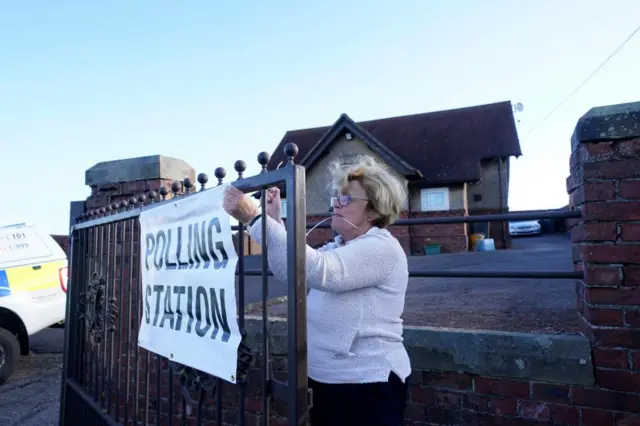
(109, 380)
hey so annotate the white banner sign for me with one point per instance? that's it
(188, 265)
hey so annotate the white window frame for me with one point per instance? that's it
(284, 208)
(424, 196)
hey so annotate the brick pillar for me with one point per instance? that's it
(119, 180)
(605, 184)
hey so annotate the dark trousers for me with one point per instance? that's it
(366, 404)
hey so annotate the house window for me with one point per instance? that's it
(349, 159)
(434, 199)
(284, 208)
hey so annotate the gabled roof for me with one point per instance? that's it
(345, 124)
(444, 146)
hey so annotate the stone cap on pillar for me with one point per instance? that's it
(137, 169)
(608, 123)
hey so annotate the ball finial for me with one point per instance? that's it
(220, 173)
(175, 188)
(202, 180)
(187, 185)
(152, 195)
(263, 160)
(142, 198)
(240, 166)
(290, 151)
(164, 192)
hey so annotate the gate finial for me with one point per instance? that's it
(164, 192)
(152, 195)
(240, 166)
(175, 188)
(142, 198)
(290, 151)
(202, 180)
(263, 160)
(220, 173)
(187, 185)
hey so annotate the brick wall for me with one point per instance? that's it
(453, 237)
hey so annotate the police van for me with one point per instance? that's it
(33, 290)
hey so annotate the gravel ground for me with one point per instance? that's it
(31, 396)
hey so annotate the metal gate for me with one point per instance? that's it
(109, 380)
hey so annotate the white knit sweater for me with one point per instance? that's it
(354, 307)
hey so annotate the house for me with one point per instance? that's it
(455, 162)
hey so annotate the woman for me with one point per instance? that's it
(357, 364)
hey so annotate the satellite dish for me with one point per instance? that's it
(518, 107)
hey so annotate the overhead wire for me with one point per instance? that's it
(589, 77)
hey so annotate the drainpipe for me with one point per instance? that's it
(501, 189)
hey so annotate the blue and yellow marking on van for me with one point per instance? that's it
(25, 279)
(5, 290)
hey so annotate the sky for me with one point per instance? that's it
(212, 82)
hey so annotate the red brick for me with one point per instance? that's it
(617, 337)
(611, 358)
(613, 296)
(475, 402)
(603, 275)
(599, 191)
(134, 188)
(621, 169)
(591, 417)
(603, 316)
(534, 410)
(425, 396)
(635, 360)
(448, 399)
(627, 419)
(447, 380)
(621, 210)
(504, 406)
(610, 253)
(564, 415)
(630, 231)
(489, 386)
(631, 276)
(632, 318)
(629, 189)
(594, 231)
(593, 152)
(551, 393)
(620, 380)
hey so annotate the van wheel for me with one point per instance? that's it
(9, 354)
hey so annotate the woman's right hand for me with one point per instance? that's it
(274, 204)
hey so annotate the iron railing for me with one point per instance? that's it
(503, 217)
(108, 380)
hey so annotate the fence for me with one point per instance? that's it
(108, 380)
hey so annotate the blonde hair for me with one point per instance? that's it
(386, 193)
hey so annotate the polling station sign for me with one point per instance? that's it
(188, 264)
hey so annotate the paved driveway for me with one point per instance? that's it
(508, 304)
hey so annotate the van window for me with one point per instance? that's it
(21, 244)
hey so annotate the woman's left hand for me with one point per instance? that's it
(239, 205)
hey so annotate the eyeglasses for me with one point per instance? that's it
(344, 200)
